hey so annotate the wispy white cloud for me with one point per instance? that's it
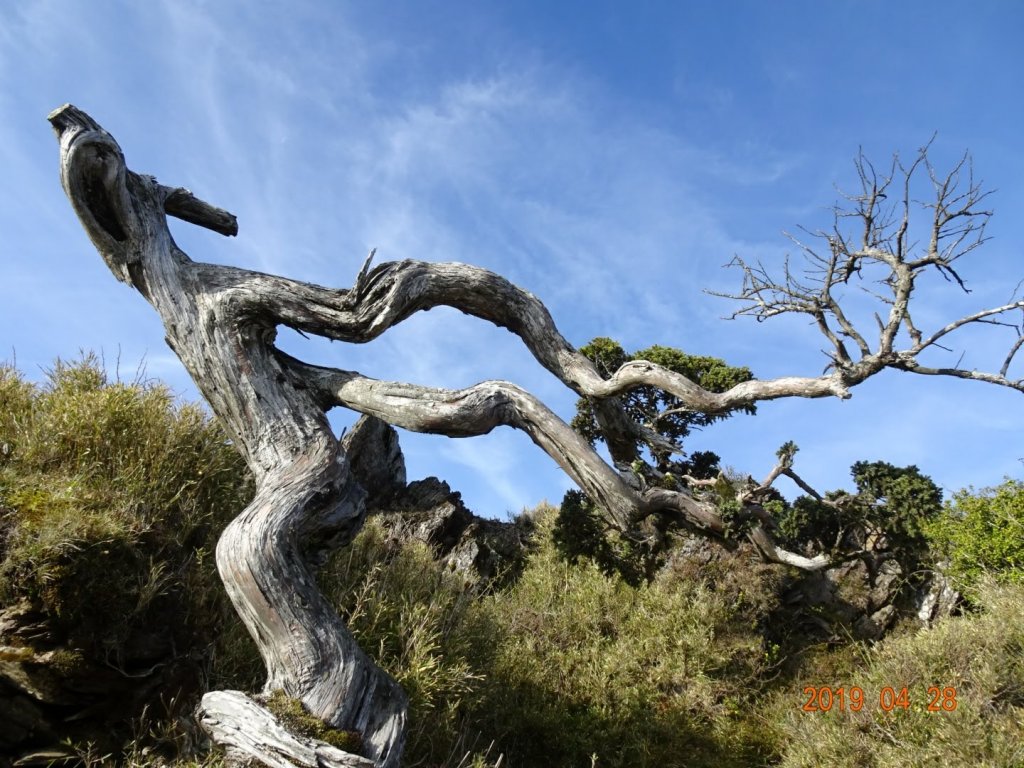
(326, 141)
(500, 461)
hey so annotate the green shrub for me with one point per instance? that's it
(406, 609)
(983, 532)
(581, 532)
(111, 496)
(565, 663)
(115, 493)
(893, 508)
(981, 656)
(578, 663)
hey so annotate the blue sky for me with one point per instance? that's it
(608, 157)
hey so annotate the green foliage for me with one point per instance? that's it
(892, 507)
(786, 452)
(808, 523)
(565, 663)
(654, 407)
(578, 663)
(980, 655)
(113, 494)
(898, 500)
(581, 532)
(983, 532)
(405, 608)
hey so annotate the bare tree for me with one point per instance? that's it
(873, 246)
(222, 321)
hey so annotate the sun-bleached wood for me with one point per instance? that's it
(222, 322)
(306, 499)
(246, 730)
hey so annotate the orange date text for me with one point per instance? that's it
(852, 699)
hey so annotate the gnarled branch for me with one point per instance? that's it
(222, 323)
(873, 234)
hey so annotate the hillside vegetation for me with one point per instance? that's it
(112, 495)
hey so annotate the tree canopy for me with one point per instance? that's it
(658, 410)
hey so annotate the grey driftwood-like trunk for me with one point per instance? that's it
(222, 321)
(306, 499)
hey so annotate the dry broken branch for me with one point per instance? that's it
(873, 233)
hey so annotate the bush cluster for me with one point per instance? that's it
(571, 665)
(566, 666)
(113, 495)
(982, 533)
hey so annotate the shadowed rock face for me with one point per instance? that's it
(376, 459)
(429, 510)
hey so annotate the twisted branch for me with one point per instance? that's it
(222, 322)
(870, 233)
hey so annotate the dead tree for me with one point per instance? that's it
(872, 243)
(222, 321)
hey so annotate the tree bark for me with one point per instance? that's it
(222, 322)
(306, 499)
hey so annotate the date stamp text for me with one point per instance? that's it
(853, 699)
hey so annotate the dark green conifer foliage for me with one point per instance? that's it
(893, 506)
(580, 530)
(655, 408)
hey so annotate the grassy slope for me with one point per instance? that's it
(115, 494)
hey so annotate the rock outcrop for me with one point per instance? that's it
(429, 510)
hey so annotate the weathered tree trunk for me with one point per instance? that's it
(306, 499)
(222, 322)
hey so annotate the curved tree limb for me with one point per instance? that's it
(395, 290)
(222, 323)
(306, 496)
(478, 409)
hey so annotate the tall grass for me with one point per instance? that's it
(978, 656)
(582, 668)
(566, 666)
(113, 493)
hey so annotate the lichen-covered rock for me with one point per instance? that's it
(874, 626)
(886, 585)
